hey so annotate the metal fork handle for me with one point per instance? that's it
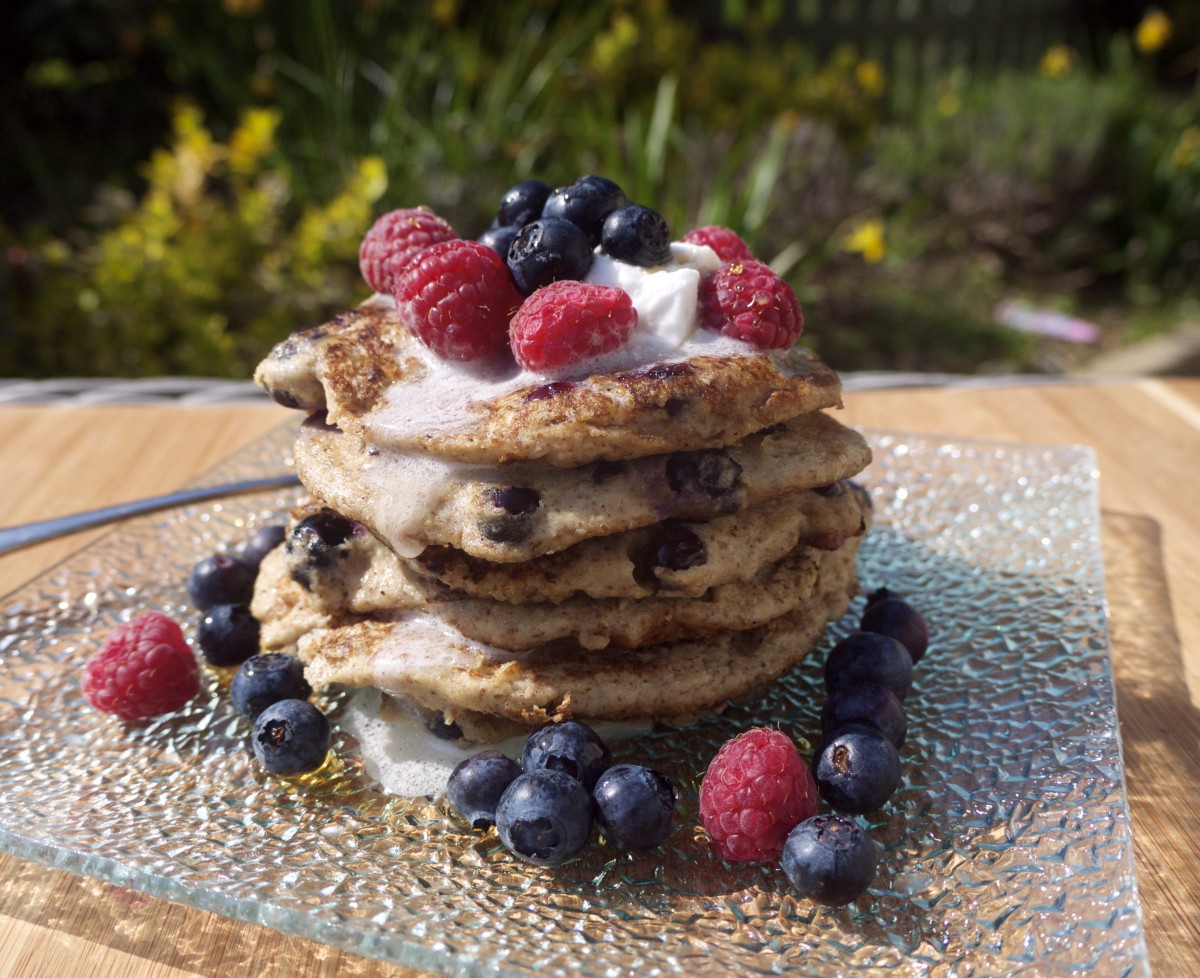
(27, 534)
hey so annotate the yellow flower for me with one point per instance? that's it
(183, 169)
(948, 104)
(372, 177)
(869, 76)
(867, 240)
(1153, 32)
(610, 46)
(322, 229)
(253, 139)
(1057, 61)
(188, 122)
(55, 252)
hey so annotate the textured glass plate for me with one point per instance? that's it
(1006, 850)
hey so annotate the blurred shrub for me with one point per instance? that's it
(1070, 177)
(198, 274)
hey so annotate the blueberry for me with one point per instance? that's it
(220, 579)
(544, 817)
(896, 618)
(547, 391)
(880, 594)
(869, 703)
(571, 747)
(506, 529)
(499, 239)
(262, 542)
(546, 251)
(442, 730)
(606, 469)
(517, 504)
(515, 500)
(672, 547)
(265, 679)
(830, 859)
(634, 806)
(522, 203)
(316, 537)
(664, 371)
(586, 203)
(863, 494)
(291, 737)
(316, 542)
(857, 770)
(228, 634)
(476, 784)
(637, 235)
(708, 473)
(869, 657)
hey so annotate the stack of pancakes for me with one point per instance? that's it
(637, 543)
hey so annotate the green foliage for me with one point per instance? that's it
(189, 181)
(940, 320)
(197, 275)
(1085, 178)
(1154, 154)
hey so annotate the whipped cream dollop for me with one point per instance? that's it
(664, 295)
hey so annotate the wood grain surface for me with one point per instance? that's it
(1146, 434)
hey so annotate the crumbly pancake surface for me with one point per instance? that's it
(579, 623)
(626, 565)
(519, 512)
(676, 558)
(419, 657)
(372, 378)
(342, 366)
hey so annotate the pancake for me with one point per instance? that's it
(634, 564)
(579, 622)
(421, 659)
(627, 565)
(520, 512)
(371, 378)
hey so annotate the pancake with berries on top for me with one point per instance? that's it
(574, 468)
(611, 360)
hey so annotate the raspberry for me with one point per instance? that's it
(143, 670)
(394, 240)
(568, 321)
(457, 297)
(748, 301)
(755, 791)
(726, 243)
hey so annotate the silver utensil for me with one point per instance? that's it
(16, 537)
